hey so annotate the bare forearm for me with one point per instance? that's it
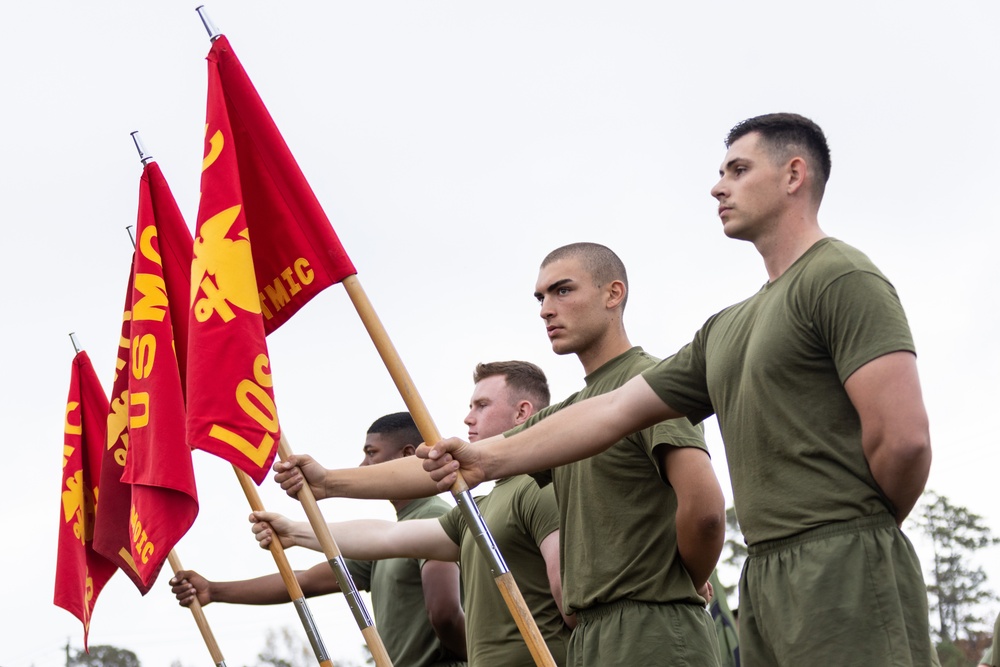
(901, 472)
(400, 478)
(269, 589)
(700, 537)
(576, 432)
(372, 539)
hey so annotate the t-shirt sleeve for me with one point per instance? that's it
(542, 477)
(453, 524)
(538, 511)
(672, 433)
(361, 572)
(860, 318)
(681, 380)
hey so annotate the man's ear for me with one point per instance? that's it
(524, 410)
(616, 293)
(797, 173)
(408, 450)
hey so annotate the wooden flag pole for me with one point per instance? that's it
(287, 575)
(199, 616)
(339, 567)
(460, 490)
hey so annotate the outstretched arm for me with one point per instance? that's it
(399, 478)
(701, 510)
(187, 585)
(364, 539)
(895, 434)
(572, 434)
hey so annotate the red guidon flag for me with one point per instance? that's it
(158, 465)
(80, 571)
(252, 192)
(147, 470)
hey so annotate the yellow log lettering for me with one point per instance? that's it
(258, 454)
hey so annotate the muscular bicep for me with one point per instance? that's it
(886, 394)
(689, 471)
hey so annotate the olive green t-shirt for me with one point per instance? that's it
(772, 368)
(618, 536)
(398, 598)
(520, 516)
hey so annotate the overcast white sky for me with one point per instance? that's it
(453, 145)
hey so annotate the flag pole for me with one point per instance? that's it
(460, 490)
(199, 616)
(250, 490)
(337, 564)
(288, 576)
(76, 343)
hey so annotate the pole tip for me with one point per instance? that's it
(144, 155)
(76, 343)
(213, 31)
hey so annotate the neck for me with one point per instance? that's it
(787, 243)
(603, 351)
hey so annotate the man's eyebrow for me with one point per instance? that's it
(732, 162)
(554, 286)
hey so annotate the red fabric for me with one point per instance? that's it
(80, 571)
(112, 534)
(296, 253)
(147, 475)
(158, 465)
(231, 410)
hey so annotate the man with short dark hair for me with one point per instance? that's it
(641, 525)
(814, 383)
(415, 602)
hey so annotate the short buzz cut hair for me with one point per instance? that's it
(785, 134)
(599, 261)
(399, 426)
(524, 380)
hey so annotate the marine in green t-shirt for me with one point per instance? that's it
(521, 517)
(815, 386)
(397, 592)
(415, 603)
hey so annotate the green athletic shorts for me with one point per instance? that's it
(627, 633)
(848, 593)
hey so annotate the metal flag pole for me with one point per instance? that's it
(250, 490)
(460, 490)
(76, 343)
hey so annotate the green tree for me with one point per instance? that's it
(957, 586)
(103, 656)
(284, 648)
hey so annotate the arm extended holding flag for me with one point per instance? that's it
(199, 617)
(333, 555)
(460, 490)
(264, 197)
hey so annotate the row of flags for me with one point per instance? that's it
(193, 369)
